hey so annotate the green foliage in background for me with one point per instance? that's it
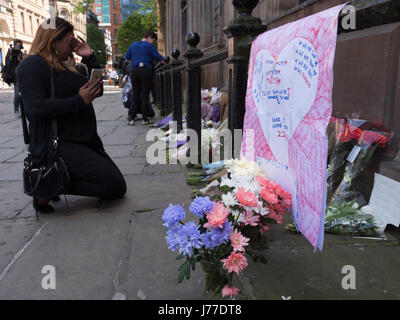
(135, 26)
(95, 39)
(82, 6)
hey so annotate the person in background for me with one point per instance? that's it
(142, 53)
(114, 77)
(127, 93)
(14, 57)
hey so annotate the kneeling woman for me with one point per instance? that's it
(91, 170)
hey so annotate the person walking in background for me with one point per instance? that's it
(142, 53)
(114, 77)
(92, 172)
(13, 58)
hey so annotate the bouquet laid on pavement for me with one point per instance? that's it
(360, 145)
(229, 227)
(354, 146)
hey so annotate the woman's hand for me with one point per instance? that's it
(90, 92)
(80, 47)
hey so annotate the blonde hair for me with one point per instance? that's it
(43, 44)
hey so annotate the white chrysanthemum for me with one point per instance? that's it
(246, 182)
(229, 199)
(238, 216)
(264, 211)
(225, 181)
(245, 168)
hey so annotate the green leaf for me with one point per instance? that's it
(180, 257)
(193, 263)
(180, 277)
(263, 259)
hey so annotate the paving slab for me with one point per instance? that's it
(7, 153)
(12, 200)
(85, 251)
(11, 172)
(119, 151)
(121, 136)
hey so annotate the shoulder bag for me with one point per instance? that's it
(51, 178)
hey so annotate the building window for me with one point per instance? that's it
(115, 4)
(115, 33)
(30, 24)
(97, 9)
(64, 14)
(115, 18)
(23, 22)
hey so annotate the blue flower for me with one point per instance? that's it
(185, 238)
(216, 237)
(201, 205)
(173, 215)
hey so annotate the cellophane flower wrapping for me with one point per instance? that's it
(356, 146)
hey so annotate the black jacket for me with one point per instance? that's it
(76, 121)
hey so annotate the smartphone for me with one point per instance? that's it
(96, 75)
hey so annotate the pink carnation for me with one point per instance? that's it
(268, 184)
(236, 262)
(275, 216)
(264, 228)
(269, 196)
(250, 219)
(239, 241)
(262, 181)
(230, 291)
(247, 198)
(217, 217)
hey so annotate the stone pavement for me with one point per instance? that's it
(100, 250)
(106, 250)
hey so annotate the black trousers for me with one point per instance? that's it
(142, 82)
(93, 173)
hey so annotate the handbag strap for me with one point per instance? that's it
(23, 119)
(54, 125)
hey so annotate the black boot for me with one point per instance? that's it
(42, 208)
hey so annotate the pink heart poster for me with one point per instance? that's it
(288, 107)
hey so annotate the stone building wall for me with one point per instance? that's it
(21, 19)
(210, 17)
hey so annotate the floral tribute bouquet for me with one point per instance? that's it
(230, 223)
(211, 106)
(354, 147)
